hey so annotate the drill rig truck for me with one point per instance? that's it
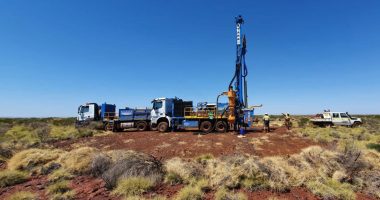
(175, 113)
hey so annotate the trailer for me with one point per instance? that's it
(112, 119)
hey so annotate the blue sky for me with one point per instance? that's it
(303, 55)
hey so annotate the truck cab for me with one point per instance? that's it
(167, 111)
(88, 112)
(93, 112)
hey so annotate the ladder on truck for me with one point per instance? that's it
(109, 126)
(109, 118)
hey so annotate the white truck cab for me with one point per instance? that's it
(329, 118)
(159, 113)
(88, 111)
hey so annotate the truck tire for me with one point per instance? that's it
(141, 126)
(153, 127)
(206, 127)
(221, 127)
(356, 124)
(162, 127)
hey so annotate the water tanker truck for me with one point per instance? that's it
(106, 113)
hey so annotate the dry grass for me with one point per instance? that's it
(11, 177)
(224, 194)
(33, 158)
(60, 175)
(232, 171)
(60, 191)
(186, 171)
(331, 189)
(133, 186)
(19, 137)
(23, 195)
(78, 161)
(189, 193)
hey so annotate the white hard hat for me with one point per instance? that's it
(266, 113)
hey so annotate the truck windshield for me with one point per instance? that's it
(84, 109)
(157, 105)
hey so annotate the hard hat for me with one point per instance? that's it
(266, 113)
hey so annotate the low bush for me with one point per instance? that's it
(172, 178)
(202, 159)
(23, 195)
(63, 132)
(132, 164)
(78, 161)
(33, 158)
(100, 164)
(186, 170)
(189, 193)
(279, 179)
(11, 177)
(60, 191)
(224, 194)
(231, 171)
(331, 189)
(20, 137)
(59, 175)
(303, 122)
(133, 186)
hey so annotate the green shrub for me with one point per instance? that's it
(374, 146)
(11, 177)
(189, 193)
(23, 195)
(133, 186)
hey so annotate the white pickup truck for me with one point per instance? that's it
(328, 118)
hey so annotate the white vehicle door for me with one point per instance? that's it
(158, 110)
(345, 119)
(336, 120)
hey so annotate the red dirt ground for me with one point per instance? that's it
(181, 144)
(190, 144)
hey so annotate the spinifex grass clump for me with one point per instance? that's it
(133, 186)
(11, 177)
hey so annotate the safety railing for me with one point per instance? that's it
(190, 112)
(109, 116)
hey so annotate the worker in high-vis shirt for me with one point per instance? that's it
(266, 119)
(287, 120)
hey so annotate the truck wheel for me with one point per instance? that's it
(221, 126)
(206, 126)
(356, 124)
(163, 127)
(141, 126)
(153, 127)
